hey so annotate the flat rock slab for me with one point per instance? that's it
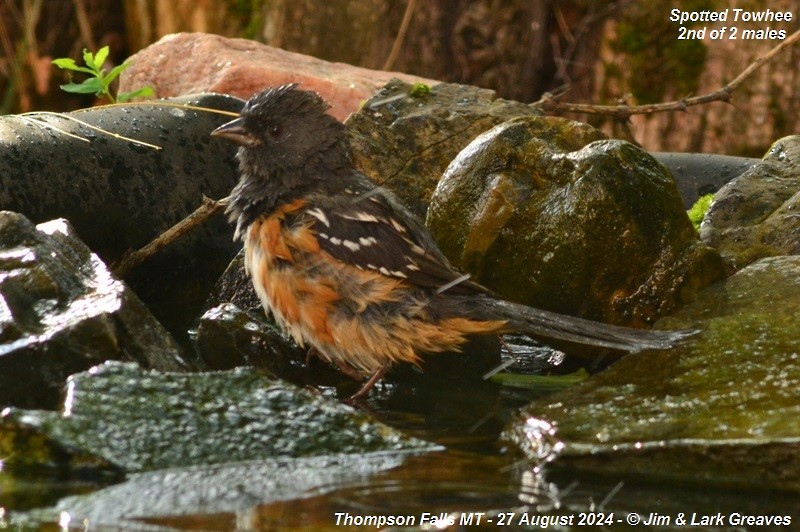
(698, 174)
(724, 409)
(140, 420)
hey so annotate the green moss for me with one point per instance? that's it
(699, 210)
(420, 89)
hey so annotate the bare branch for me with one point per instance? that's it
(130, 260)
(548, 101)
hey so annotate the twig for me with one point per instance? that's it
(548, 102)
(401, 35)
(130, 260)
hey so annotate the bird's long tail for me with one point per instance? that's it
(550, 325)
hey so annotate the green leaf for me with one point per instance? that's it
(116, 71)
(100, 57)
(69, 64)
(90, 86)
(88, 58)
(139, 93)
(66, 62)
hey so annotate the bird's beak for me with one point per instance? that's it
(235, 131)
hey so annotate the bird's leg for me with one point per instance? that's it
(312, 353)
(369, 384)
(349, 371)
(345, 368)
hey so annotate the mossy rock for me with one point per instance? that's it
(755, 215)
(718, 410)
(549, 213)
(404, 138)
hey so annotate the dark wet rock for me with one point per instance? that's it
(213, 494)
(404, 139)
(723, 409)
(120, 194)
(547, 213)
(235, 331)
(235, 286)
(61, 311)
(758, 214)
(143, 420)
(698, 174)
(228, 337)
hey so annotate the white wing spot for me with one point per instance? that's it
(352, 246)
(335, 241)
(417, 249)
(369, 241)
(397, 225)
(319, 215)
(360, 217)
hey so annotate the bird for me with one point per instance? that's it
(349, 271)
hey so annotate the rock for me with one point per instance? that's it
(61, 312)
(235, 286)
(211, 494)
(547, 213)
(187, 63)
(404, 138)
(143, 420)
(228, 337)
(713, 411)
(698, 174)
(235, 331)
(120, 194)
(756, 215)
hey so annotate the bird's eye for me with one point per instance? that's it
(274, 131)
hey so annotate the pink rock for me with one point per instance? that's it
(186, 63)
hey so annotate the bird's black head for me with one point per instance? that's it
(288, 145)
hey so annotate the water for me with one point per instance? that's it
(478, 482)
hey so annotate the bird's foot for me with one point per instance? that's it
(364, 391)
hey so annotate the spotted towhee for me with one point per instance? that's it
(345, 268)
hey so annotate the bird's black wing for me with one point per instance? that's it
(365, 226)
